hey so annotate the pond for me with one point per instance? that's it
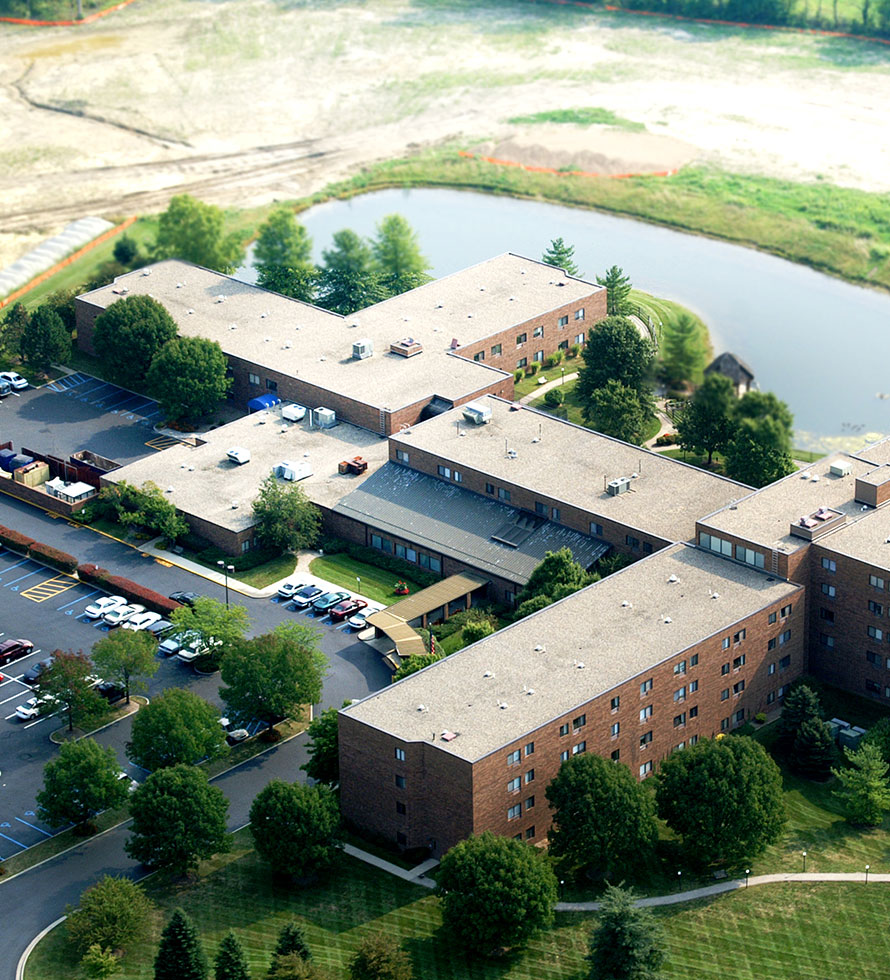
(816, 341)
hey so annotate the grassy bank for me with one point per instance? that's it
(573, 411)
(345, 571)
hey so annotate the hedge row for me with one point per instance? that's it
(371, 556)
(36, 549)
(130, 590)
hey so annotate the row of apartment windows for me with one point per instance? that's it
(447, 473)
(515, 811)
(777, 695)
(408, 553)
(554, 513)
(873, 687)
(254, 379)
(501, 492)
(634, 544)
(514, 757)
(514, 784)
(735, 719)
(723, 547)
(779, 640)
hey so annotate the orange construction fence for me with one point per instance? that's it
(560, 173)
(67, 23)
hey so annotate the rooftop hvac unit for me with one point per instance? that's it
(239, 455)
(293, 471)
(621, 485)
(324, 418)
(843, 468)
(477, 414)
(362, 349)
(293, 412)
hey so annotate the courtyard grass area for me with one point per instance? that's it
(775, 932)
(572, 411)
(376, 583)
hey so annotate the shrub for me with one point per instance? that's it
(52, 556)
(130, 590)
(398, 566)
(668, 439)
(517, 375)
(14, 539)
(574, 350)
(532, 369)
(551, 361)
(477, 629)
(89, 572)
(554, 398)
(760, 717)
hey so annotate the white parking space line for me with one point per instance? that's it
(17, 694)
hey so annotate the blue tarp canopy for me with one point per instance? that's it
(262, 401)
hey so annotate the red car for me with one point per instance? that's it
(343, 610)
(14, 649)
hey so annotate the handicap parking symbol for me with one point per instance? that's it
(30, 813)
(5, 824)
(69, 612)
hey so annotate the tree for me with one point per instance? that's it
(180, 956)
(144, 506)
(706, 423)
(801, 704)
(555, 397)
(879, 735)
(62, 302)
(193, 231)
(129, 334)
(270, 677)
(349, 280)
(14, 322)
(98, 963)
(323, 746)
(562, 256)
(291, 940)
(813, 750)
(285, 518)
(231, 960)
(79, 783)
(477, 629)
(220, 627)
(112, 913)
(603, 818)
(179, 819)
(558, 569)
(628, 943)
(282, 242)
(178, 727)
(683, 350)
(126, 251)
(292, 966)
(397, 256)
(188, 377)
(495, 891)
(618, 287)
(44, 339)
(614, 351)
(617, 411)
(758, 406)
(68, 688)
(300, 282)
(864, 788)
(417, 661)
(754, 457)
(380, 957)
(126, 656)
(723, 797)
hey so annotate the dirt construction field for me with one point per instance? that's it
(244, 101)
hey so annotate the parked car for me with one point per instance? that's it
(109, 691)
(359, 621)
(325, 603)
(14, 380)
(305, 596)
(97, 609)
(141, 621)
(33, 674)
(120, 614)
(175, 642)
(195, 647)
(132, 785)
(160, 629)
(289, 589)
(346, 608)
(14, 649)
(233, 735)
(186, 598)
(5, 388)
(33, 707)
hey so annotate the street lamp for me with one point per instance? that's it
(866, 873)
(226, 569)
(805, 862)
(563, 379)
(747, 872)
(561, 887)
(679, 879)
(358, 583)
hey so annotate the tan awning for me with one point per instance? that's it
(425, 601)
(406, 640)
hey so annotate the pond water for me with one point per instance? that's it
(821, 344)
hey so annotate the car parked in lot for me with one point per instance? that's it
(141, 621)
(160, 629)
(14, 649)
(120, 614)
(195, 647)
(289, 589)
(132, 785)
(325, 603)
(175, 642)
(33, 674)
(14, 380)
(234, 735)
(186, 598)
(305, 596)
(34, 707)
(346, 608)
(110, 691)
(97, 609)
(359, 621)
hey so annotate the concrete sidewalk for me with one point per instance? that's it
(542, 390)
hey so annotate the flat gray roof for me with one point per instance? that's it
(878, 452)
(511, 683)
(765, 516)
(205, 483)
(865, 539)
(572, 464)
(314, 345)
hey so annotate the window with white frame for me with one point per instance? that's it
(645, 769)
(254, 379)
(579, 314)
(646, 713)
(514, 785)
(401, 456)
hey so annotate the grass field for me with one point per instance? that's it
(572, 410)
(376, 584)
(589, 116)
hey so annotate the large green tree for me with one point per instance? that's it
(270, 677)
(614, 351)
(68, 688)
(628, 943)
(231, 960)
(323, 749)
(397, 256)
(44, 339)
(298, 282)
(706, 424)
(179, 819)
(128, 657)
(79, 783)
(864, 787)
(754, 455)
(128, 335)
(380, 957)
(180, 955)
(723, 798)
(801, 704)
(193, 231)
(349, 279)
(114, 912)
(557, 575)
(220, 627)
(813, 751)
(285, 517)
(188, 377)
(603, 818)
(495, 892)
(292, 939)
(561, 256)
(618, 287)
(684, 350)
(177, 727)
(282, 241)
(879, 734)
(617, 411)
(296, 828)
(14, 322)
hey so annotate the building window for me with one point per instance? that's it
(645, 769)
(401, 782)
(785, 663)
(693, 687)
(771, 697)
(579, 748)
(271, 385)
(784, 637)
(514, 811)
(693, 660)
(829, 590)
(615, 729)
(529, 833)
(693, 739)
(739, 716)
(724, 724)
(564, 729)
(875, 659)
(489, 488)
(786, 611)
(724, 694)
(457, 476)
(738, 637)
(680, 720)
(679, 746)
(738, 662)
(538, 332)
(680, 668)
(529, 776)
(530, 748)
(826, 640)
(738, 687)
(514, 785)
(829, 564)
(875, 633)
(772, 668)
(444, 471)
(771, 643)
(530, 803)
(772, 618)
(579, 722)
(564, 321)
(579, 314)
(503, 494)
(540, 508)
(631, 541)
(579, 339)
(400, 755)
(564, 756)
(647, 548)
(245, 546)
(596, 529)
(435, 564)
(401, 456)
(615, 704)
(401, 808)
(538, 356)
(645, 739)
(645, 687)
(563, 345)
(521, 339)
(724, 669)
(513, 757)
(480, 356)
(646, 713)
(680, 694)
(693, 712)
(873, 607)
(522, 362)
(726, 642)
(254, 379)
(401, 839)
(555, 514)
(616, 755)
(828, 614)
(876, 582)
(749, 556)
(496, 350)
(783, 690)
(873, 687)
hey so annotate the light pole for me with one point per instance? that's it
(358, 584)
(866, 873)
(679, 880)
(561, 887)
(563, 379)
(747, 872)
(805, 862)
(226, 569)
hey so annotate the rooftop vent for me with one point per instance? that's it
(667, 619)
(478, 414)
(169, 489)
(235, 505)
(843, 468)
(190, 312)
(540, 649)
(233, 326)
(488, 673)
(672, 578)
(715, 595)
(362, 349)
(530, 690)
(815, 477)
(580, 665)
(406, 347)
(626, 605)
(448, 736)
(179, 285)
(220, 299)
(511, 454)
(502, 705)
(621, 485)
(146, 272)
(421, 707)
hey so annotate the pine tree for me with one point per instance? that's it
(562, 256)
(801, 704)
(180, 956)
(864, 789)
(618, 287)
(683, 351)
(379, 957)
(628, 944)
(231, 962)
(813, 750)
(292, 940)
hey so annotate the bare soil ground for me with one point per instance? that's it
(244, 101)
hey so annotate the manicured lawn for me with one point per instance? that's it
(267, 573)
(375, 583)
(572, 411)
